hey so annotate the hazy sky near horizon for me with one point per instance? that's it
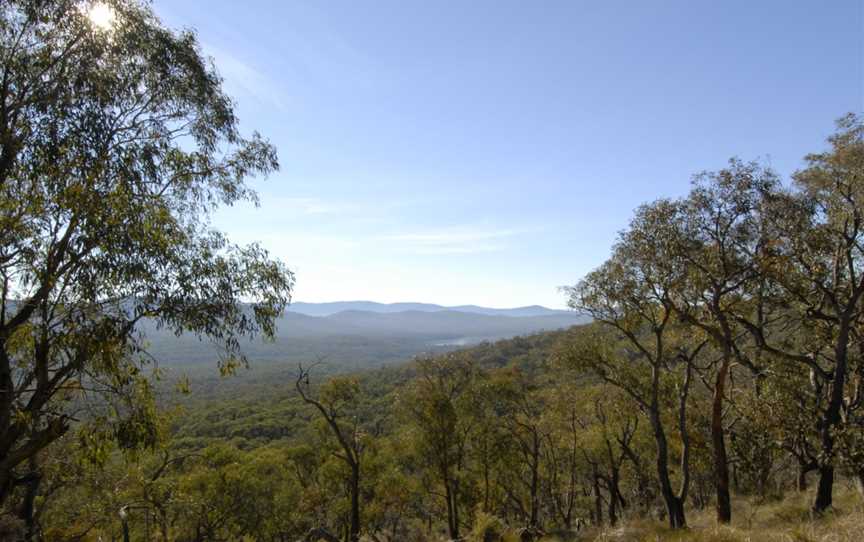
(488, 151)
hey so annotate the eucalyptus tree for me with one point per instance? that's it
(717, 240)
(436, 406)
(831, 251)
(518, 406)
(644, 350)
(608, 425)
(116, 143)
(563, 463)
(338, 404)
(490, 454)
(815, 265)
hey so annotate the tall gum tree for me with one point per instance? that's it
(814, 268)
(717, 240)
(518, 407)
(436, 407)
(337, 403)
(647, 354)
(115, 145)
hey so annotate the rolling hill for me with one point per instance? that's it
(357, 338)
(327, 309)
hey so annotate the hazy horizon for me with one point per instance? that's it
(416, 302)
(488, 152)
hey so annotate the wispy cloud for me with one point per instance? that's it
(242, 77)
(308, 205)
(452, 241)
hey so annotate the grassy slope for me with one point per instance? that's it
(788, 520)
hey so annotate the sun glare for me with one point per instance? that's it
(101, 16)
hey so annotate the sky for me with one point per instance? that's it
(489, 151)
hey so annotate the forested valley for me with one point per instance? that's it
(717, 392)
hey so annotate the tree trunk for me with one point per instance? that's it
(824, 492)
(859, 481)
(721, 462)
(163, 525)
(486, 484)
(7, 393)
(616, 499)
(535, 484)
(6, 484)
(643, 488)
(613, 508)
(28, 506)
(803, 469)
(452, 520)
(825, 489)
(674, 506)
(354, 532)
(598, 501)
(676, 516)
(455, 496)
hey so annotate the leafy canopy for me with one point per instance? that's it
(116, 144)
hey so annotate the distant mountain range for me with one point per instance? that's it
(355, 338)
(327, 309)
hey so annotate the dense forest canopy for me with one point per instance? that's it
(724, 359)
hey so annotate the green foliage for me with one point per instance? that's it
(727, 332)
(115, 145)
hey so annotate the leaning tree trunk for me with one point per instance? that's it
(674, 505)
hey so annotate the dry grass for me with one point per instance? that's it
(788, 520)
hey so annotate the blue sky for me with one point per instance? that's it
(489, 151)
